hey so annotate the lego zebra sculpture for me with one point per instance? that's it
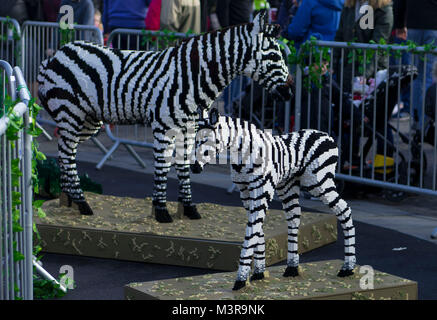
(84, 85)
(262, 164)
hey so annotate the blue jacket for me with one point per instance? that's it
(124, 14)
(317, 18)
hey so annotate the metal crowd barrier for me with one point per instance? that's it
(39, 41)
(377, 146)
(245, 101)
(10, 34)
(16, 277)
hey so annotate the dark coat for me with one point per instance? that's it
(417, 14)
(349, 30)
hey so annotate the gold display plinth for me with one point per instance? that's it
(123, 228)
(317, 280)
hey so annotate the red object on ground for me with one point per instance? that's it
(153, 17)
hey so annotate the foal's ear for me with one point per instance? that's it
(213, 116)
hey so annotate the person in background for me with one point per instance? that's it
(98, 20)
(15, 9)
(123, 14)
(98, 5)
(83, 11)
(180, 16)
(153, 16)
(231, 13)
(128, 14)
(213, 22)
(287, 10)
(417, 21)
(51, 9)
(98, 8)
(315, 18)
(22, 10)
(349, 30)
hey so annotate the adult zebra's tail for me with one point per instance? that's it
(41, 79)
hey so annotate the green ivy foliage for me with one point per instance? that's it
(42, 288)
(320, 57)
(167, 39)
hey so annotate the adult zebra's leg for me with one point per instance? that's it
(163, 147)
(90, 128)
(69, 180)
(326, 190)
(184, 146)
(257, 204)
(289, 195)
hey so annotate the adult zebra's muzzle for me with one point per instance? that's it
(284, 92)
(196, 167)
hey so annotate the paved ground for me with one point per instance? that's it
(381, 227)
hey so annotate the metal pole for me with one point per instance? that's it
(46, 275)
(27, 188)
(298, 112)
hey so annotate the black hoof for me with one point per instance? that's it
(345, 273)
(84, 208)
(257, 276)
(162, 215)
(291, 272)
(238, 285)
(190, 211)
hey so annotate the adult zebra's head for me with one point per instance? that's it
(208, 144)
(267, 64)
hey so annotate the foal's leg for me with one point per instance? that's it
(259, 254)
(327, 192)
(289, 195)
(257, 204)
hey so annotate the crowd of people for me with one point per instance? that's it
(393, 21)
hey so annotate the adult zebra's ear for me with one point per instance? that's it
(260, 22)
(272, 30)
(213, 116)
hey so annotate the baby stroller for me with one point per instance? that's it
(358, 119)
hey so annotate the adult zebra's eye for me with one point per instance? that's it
(271, 56)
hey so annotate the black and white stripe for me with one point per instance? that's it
(262, 164)
(85, 84)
